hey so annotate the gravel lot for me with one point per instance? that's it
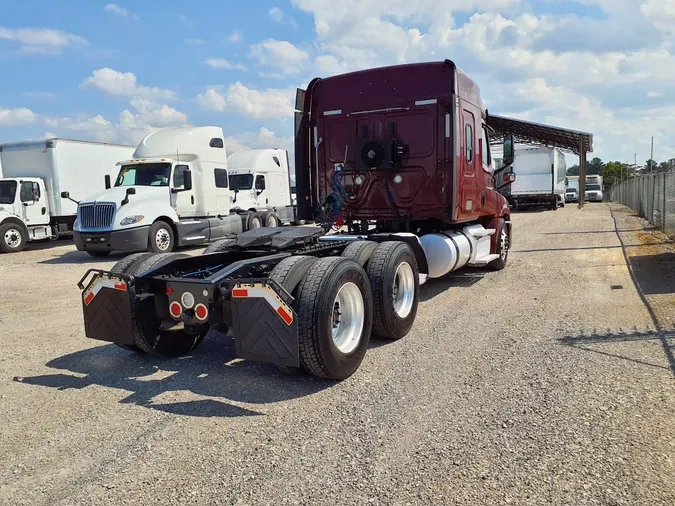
(546, 383)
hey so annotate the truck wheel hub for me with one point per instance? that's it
(162, 239)
(404, 290)
(504, 245)
(348, 318)
(12, 238)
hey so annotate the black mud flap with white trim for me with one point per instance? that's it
(264, 325)
(106, 304)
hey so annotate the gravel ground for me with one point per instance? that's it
(546, 383)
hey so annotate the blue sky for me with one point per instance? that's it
(115, 71)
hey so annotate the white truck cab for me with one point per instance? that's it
(260, 180)
(24, 213)
(173, 192)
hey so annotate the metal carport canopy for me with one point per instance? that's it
(527, 132)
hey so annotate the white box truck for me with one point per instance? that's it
(540, 178)
(36, 173)
(175, 191)
(594, 188)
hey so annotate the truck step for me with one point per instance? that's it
(485, 260)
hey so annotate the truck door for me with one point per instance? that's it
(471, 173)
(182, 201)
(223, 194)
(261, 195)
(34, 203)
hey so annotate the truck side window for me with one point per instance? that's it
(485, 150)
(178, 176)
(29, 192)
(260, 183)
(221, 178)
(469, 142)
(276, 160)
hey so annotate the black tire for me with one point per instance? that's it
(219, 246)
(16, 238)
(554, 204)
(503, 240)
(382, 273)
(254, 220)
(271, 219)
(160, 246)
(145, 323)
(361, 251)
(289, 273)
(315, 306)
(98, 254)
(124, 266)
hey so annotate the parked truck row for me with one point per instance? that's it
(403, 164)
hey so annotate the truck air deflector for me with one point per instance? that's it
(265, 327)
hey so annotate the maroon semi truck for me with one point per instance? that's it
(397, 161)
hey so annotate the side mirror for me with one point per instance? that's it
(107, 182)
(509, 151)
(131, 191)
(65, 195)
(508, 178)
(187, 178)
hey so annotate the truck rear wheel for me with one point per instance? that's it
(271, 219)
(361, 251)
(335, 313)
(160, 238)
(13, 238)
(254, 220)
(289, 273)
(394, 279)
(219, 246)
(124, 266)
(148, 336)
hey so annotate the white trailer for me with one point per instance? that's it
(540, 178)
(36, 173)
(594, 188)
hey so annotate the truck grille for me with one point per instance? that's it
(96, 215)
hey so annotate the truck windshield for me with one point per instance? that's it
(7, 192)
(144, 174)
(593, 187)
(241, 181)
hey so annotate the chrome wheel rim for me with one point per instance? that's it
(348, 318)
(13, 238)
(504, 245)
(162, 239)
(272, 221)
(404, 290)
(255, 223)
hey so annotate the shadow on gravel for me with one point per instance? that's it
(462, 279)
(211, 371)
(596, 232)
(81, 257)
(655, 273)
(581, 342)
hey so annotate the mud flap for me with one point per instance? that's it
(106, 304)
(264, 325)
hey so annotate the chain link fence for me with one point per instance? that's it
(652, 196)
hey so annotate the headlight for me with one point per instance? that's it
(130, 220)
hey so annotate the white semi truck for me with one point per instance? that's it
(175, 191)
(540, 178)
(36, 173)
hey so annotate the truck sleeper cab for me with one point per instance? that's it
(174, 192)
(306, 300)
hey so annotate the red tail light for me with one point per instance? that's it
(201, 312)
(176, 310)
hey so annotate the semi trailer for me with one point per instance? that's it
(36, 172)
(400, 166)
(175, 191)
(541, 173)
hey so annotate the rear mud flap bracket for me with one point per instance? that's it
(265, 327)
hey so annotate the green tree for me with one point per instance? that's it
(594, 166)
(573, 170)
(650, 165)
(613, 171)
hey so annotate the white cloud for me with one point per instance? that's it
(16, 117)
(195, 42)
(278, 15)
(124, 84)
(120, 11)
(222, 63)
(234, 37)
(41, 40)
(280, 54)
(264, 138)
(268, 104)
(654, 94)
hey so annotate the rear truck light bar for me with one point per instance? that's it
(259, 311)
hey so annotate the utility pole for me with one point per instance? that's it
(651, 156)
